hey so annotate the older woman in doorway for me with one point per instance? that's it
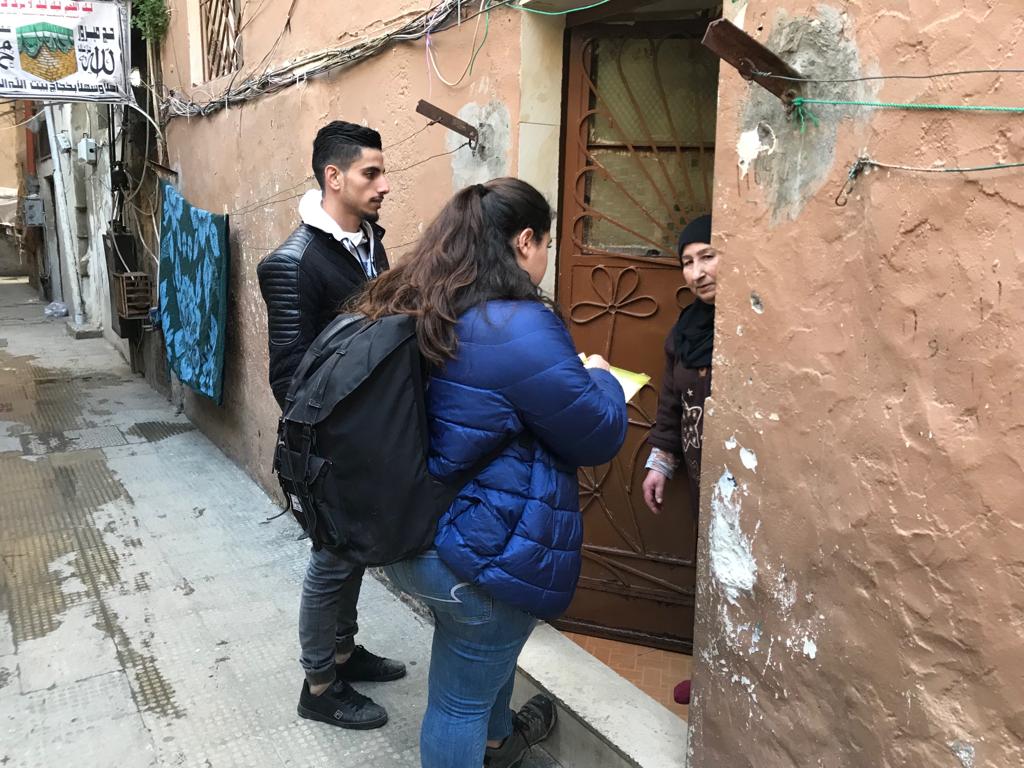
(678, 432)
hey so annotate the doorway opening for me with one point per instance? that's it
(637, 165)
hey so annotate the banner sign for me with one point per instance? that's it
(65, 51)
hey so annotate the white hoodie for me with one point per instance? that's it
(312, 212)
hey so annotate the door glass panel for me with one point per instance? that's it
(650, 143)
(654, 92)
(641, 200)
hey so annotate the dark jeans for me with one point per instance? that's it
(327, 614)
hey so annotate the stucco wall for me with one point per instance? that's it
(9, 145)
(250, 153)
(862, 579)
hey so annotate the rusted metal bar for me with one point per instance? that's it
(449, 121)
(752, 60)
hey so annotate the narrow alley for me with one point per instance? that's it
(751, 500)
(147, 610)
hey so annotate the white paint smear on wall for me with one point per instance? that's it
(964, 752)
(810, 648)
(749, 459)
(732, 560)
(752, 144)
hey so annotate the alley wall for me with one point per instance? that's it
(261, 152)
(9, 145)
(862, 582)
(10, 259)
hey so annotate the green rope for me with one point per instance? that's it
(804, 114)
(800, 101)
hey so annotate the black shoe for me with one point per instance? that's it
(531, 725)
(343, 706)
(365, 667)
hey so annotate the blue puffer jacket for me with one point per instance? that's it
(516, 530)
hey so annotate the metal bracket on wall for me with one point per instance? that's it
(753, 61)
(449, 121)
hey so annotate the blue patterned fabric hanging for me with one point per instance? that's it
(193, 292)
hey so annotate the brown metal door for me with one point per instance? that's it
(638, 163)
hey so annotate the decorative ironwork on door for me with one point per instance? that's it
(639, 159)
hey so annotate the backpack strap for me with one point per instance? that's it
(453, 486)
(315, 351)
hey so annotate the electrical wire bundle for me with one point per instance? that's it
(442, 16)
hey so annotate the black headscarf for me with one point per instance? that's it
(694, 335)
(694, 331)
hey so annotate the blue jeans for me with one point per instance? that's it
(327, 613)
(477, 641)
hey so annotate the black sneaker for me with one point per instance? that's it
(365, 667)
(531, 725)
(343, 706)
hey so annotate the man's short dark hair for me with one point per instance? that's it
(339, 144)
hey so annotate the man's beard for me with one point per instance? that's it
(371, 216)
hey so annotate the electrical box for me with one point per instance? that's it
(32, 211)
(87, 150)
(63, 141)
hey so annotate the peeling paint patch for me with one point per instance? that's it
(964, 752)
(732, 560)
(748, 684)
(756, 304)
(730, 444)
(755, 638)
(818, 47)
(749, 459)
(490, 159)
(738, 11)
(810, 647)
(784, 592)
(758, 141)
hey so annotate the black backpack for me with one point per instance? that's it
(352, 444)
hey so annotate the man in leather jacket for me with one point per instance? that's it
(329, 258)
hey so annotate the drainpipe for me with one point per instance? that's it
(63, 215)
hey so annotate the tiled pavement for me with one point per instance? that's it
(147, 612)
(652, 671)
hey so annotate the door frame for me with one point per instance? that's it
(573, 161)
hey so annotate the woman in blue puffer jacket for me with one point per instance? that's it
(504, 372)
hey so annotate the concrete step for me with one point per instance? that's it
(539, 758)
(604, 720)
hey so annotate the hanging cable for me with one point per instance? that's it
(871, 78)
(36, 116)
(410, 136)
(562, 13)
(312, 65)
(432, 57)
(284, 195)
(866, 161)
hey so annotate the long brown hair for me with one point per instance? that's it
(464, 259)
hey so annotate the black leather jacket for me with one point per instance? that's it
(304, 283)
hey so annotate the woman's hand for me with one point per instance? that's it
(596, 361)
(654, 490)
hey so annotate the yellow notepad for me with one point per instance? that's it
(631, 382)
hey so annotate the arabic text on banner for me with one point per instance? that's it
(64, 51)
